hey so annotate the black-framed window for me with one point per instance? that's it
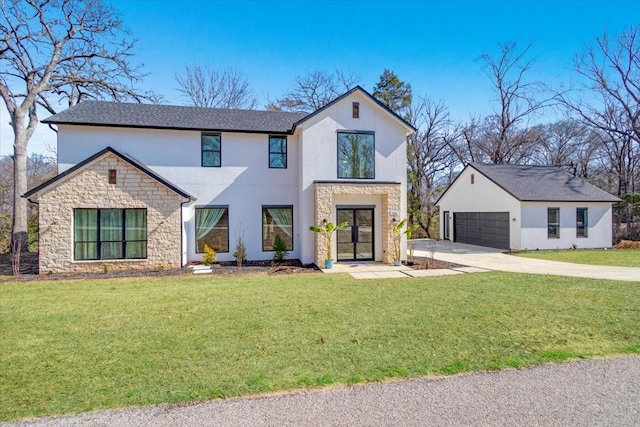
(553, 223)
(278, 152)
(212, 228)
(101, 234)
(277, 221)
(211, 150)
(356, 155)
(582, 222)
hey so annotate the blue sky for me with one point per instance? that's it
(434, 45)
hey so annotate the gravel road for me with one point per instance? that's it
(602, 392)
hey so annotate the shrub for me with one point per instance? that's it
(280, 248)
(240, 254)
(209, 255)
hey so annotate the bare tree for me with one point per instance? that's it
(608, 101)
(505, 136)
(64, 49)
(611, 72)
(431, 162)
(39, 169)
(209, 87)
(314, 90)
(568, 143)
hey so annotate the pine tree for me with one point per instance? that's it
(393, 92)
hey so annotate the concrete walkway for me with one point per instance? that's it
(376, 270)
(602, 392)
(495, 259)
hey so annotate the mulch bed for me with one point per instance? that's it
(29, 270)
(423, 263)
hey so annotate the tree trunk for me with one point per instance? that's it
(19, 238)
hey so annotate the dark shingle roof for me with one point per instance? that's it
(120, 114)
(543, 183)
(133, 162)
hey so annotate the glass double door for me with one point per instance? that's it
(355, 242)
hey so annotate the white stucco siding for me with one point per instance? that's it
(481, 196)
(534, 226)
(319, 154)
(244, 182)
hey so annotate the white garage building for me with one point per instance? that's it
(525, 207)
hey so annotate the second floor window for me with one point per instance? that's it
(356, 155)
(278, 152)
(211, 150)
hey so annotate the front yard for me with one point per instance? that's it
(614, 257)
(72, 346)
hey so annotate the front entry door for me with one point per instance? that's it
(355, 242)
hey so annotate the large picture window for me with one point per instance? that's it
(278, 152)
(553, 223)
(277, 221)
(356, 155)
(212, 228)
(582, 222)
(211, 150)
(101, 234)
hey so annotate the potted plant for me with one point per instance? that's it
(398, 232)
(327, 229)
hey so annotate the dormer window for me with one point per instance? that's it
(355, 109)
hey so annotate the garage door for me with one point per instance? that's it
(482, 228)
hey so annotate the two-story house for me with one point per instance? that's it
(147, 186)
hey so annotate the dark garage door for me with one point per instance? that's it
(482, 228)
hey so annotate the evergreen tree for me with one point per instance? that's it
(393, 92)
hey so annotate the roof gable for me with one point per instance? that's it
(370, 97)
(539, 183)
(141, 167)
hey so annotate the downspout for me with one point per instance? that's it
(38, 204)
(181, 238)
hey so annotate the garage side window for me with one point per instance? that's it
(553, 223)
(582, 222)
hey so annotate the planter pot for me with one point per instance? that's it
(328, 264)
(397, 262)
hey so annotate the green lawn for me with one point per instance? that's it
(616, 257)
(73, 346)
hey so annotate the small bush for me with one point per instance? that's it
(280, 248)
(209, 256)
(240, 254)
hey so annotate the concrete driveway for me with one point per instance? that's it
(496, 259)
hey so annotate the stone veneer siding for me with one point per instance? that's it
(391, 196)
(90, 188)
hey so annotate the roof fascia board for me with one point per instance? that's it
(94, 158)
(271, 132)
(402, 121)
